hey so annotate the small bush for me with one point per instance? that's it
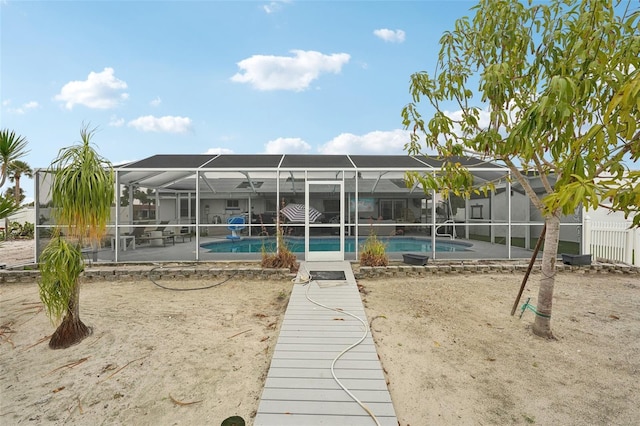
(373, 252)
(18, 231)
(282, 258)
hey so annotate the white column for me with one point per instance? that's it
(197, 214)
(492, 236)
(509, 196)
(433, 224)
(586, 235)
(629, 237)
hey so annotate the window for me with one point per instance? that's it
(476, 211)
(233, 204)
(271, 205)
(392, 209)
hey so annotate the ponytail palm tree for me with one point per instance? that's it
(82, 193)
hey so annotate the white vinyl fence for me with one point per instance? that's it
(612, 241)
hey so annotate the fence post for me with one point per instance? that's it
(628, 242)
(586, 235)
(636, 246)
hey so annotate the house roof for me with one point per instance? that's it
(178, 172)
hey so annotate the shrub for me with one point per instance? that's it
(18, 231)
(283, 256)
(373, 252)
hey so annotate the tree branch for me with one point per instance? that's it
(525, 185)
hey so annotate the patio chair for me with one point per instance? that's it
(161, 227)
(184, 233)
(140, 235)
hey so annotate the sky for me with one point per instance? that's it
(195, 77)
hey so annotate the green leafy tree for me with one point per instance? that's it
(16, 170)
(557, 94)
(82, 191)
(12, 147)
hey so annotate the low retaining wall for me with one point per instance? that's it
(473, 268)
(155, 273)
(179, 272)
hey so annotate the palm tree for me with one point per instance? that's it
(82, 192)
(10, 192)
(12, 147)
(16, 170)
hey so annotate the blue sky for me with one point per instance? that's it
(192, 77)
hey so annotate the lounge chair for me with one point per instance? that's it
(141, 235)
(184, 233)
(162, 226)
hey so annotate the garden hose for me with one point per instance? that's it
(306, 279)
(187, 289)
(532, 308)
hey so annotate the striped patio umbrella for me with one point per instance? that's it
(295, 213)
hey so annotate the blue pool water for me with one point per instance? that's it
(296, 245)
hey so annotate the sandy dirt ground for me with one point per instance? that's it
(18, 252)
(455, 356)
(156, 357)
(452, 353)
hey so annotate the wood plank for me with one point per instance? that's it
(325, 407)
(341, 364)
(352, 336)
(323, 340)
(326, 383)
(351, 356)
(321, 348)
(333, 327)
(327, 395)
(324, 373)
(265, 419)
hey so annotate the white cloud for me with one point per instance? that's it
(274, 6)
(156, 102)
(22, 109)
(116, 122)
(377, 142)
(484, 119)
(100, 90)
(6, 102)
(166, 124)
(390, 36)
(287, 146)
(268, 72)
(219, 151)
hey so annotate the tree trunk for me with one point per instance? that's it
(71, 331)
(542, 323)
(16, 195)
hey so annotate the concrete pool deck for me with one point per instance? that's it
(185, 251)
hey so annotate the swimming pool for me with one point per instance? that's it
(296, 245)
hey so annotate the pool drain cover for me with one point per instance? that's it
(328, 275)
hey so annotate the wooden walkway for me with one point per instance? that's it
(300, 388)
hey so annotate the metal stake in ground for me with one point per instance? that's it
(531, 262)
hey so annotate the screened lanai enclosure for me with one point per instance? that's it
(230, 207)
